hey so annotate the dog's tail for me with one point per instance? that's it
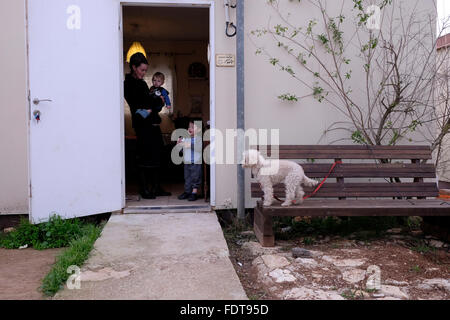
(309, 182)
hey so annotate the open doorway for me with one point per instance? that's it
(176, 43)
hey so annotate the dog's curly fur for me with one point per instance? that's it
(271, 172)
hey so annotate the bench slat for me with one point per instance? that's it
(350, 152)
(371, 170)
(380, 207)
(361, 190)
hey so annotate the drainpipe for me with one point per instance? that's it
(240, 107)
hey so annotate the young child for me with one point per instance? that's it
(192, 163)
(157, 89)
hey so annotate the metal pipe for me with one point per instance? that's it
(240, 108)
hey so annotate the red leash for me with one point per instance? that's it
(320, 185)
(323, 181)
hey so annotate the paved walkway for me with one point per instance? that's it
(173, 256)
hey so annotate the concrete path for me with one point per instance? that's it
(174, 256)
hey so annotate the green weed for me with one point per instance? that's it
(75, 255)
(416, 269)
(55, 233)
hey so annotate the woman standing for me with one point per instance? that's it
(145, 119)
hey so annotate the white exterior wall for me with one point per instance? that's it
(305, 121)
(301, 123)
(443, 165)
(13, 108)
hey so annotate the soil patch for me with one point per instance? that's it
(22, 271)
(340, 268)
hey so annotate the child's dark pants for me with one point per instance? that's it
(192, 177)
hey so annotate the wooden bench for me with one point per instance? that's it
(399, 188)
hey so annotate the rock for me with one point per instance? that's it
(351, 251)
(436, 243)
(273, 289)
(362, 294)
(439, 283)
(308, 263)
(300, 252)
(247, 233)
(317, 276)
(424, 286)
(275, 262)
(297, 275)
(396, 283)
(344, 262)
(354, 275)
(287, 229)
(255, 248)
(310, 294)
(8, 230)
(280, 276)
(394, 230)
(316, 254)
(262, 271)
(389, 298)
(392, 291)
(397, 237)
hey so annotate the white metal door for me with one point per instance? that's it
(75, 148)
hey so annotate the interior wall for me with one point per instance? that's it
(186, 91)
(13, 107)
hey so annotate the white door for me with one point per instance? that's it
(75, 148)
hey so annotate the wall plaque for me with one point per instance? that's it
(225, 60)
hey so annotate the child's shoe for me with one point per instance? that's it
(183, 196)
(193, 197)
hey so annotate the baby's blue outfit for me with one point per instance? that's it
(164, 93)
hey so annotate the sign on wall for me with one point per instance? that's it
(225, 60)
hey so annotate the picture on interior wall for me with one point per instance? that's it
(196, 105)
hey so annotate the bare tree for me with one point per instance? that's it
(398, 63)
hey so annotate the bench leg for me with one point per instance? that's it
(262, 226)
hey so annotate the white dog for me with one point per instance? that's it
(271, 172)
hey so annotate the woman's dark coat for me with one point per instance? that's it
(148, 133)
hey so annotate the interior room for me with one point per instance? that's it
(175, 41)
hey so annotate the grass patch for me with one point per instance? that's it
(77, 235)
(349, 294)
(421, 247)
(56, 233)
(416, 269)
(233, 227)
(75, 255)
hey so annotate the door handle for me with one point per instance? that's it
(36, 101)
